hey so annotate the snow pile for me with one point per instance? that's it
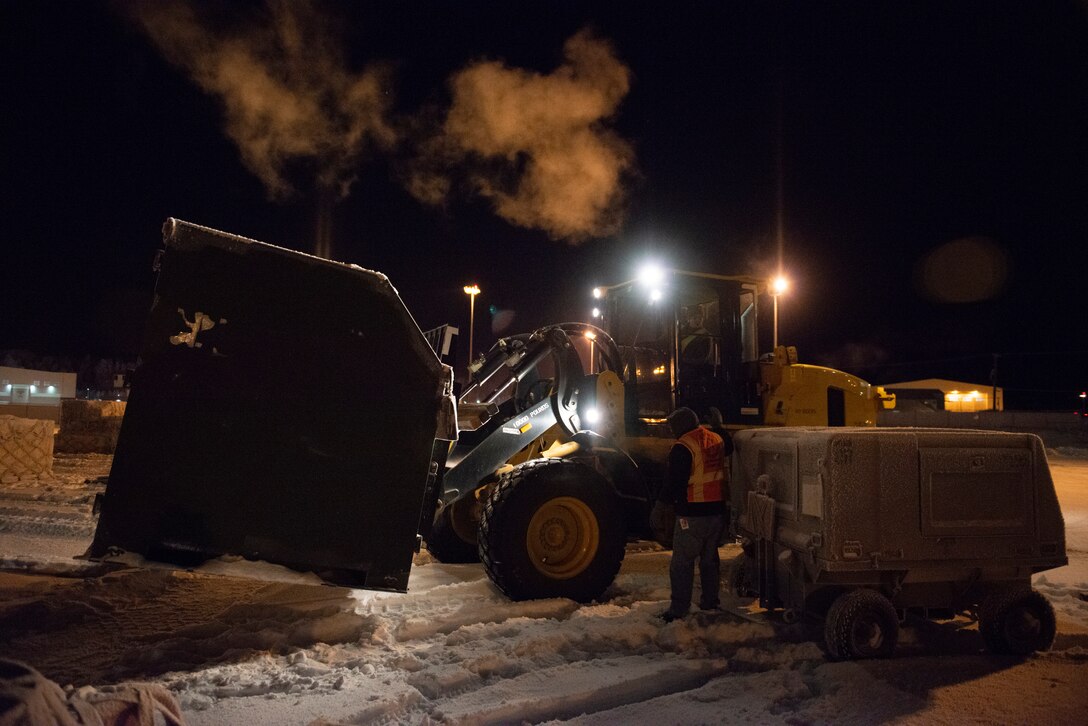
(58, 566)
(456, 650)
(1071, 452)
(52, 516)
(1070, 603)
(1070, 476)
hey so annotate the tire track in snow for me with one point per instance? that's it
(800, 689)
(59, 507)
(571, 689)
(461, 646)
(54, 524)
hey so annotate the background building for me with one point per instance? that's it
(28, 393)
(954, 395)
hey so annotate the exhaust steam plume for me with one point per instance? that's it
(292, 106)
(536, 145)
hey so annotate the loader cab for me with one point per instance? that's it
(686, 339)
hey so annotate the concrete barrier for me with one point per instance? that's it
(89, 426)
(48, 412)
(1054, 428)
(26, 449)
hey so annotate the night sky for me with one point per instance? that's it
(926, 163)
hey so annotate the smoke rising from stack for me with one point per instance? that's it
(536, 145)
(291, 105)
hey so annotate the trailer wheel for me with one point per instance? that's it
(445, 544)
(861, 624)
(1017, 621)
(740, 576)
(552, 528)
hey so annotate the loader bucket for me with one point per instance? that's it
(285, 408)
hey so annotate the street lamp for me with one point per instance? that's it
(592, 338)
(778, 286)
(472, 291)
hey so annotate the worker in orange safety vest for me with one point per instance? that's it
(696, 486)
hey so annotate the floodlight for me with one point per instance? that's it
(651, 274)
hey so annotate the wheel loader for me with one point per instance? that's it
(287, 408)
(576, 408)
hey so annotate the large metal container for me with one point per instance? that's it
(285, 408)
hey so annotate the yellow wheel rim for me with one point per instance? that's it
(562, 538)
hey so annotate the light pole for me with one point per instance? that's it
(778, 286)
(472, 291)
(592, 338)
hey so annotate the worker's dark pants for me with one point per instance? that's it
(698, 541)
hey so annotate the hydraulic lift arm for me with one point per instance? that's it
(521, 355)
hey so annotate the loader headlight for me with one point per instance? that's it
(651, 274)
(592, 416)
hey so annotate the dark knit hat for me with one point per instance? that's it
(682, 420)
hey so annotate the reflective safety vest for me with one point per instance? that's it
(708, 472)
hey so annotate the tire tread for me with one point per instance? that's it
(840, 620)
(446, 546)
(496, 518)
(997, 605)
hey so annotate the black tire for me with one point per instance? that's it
(740, 576)
(662, 521)
(1017, 621)
(861, 624)
(577, 519)
(445, 545)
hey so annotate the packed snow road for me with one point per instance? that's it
(454, 650)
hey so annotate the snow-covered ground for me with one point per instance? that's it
(235, 650)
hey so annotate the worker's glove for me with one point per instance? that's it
(662, 521)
